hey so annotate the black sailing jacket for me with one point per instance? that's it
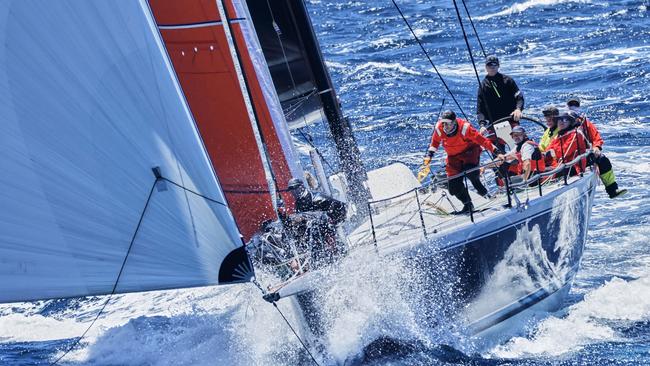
(497, 97)
(335, 209)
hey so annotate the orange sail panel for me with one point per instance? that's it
(281, 156)
(196, 42)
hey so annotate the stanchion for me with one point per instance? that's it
(372, 226)
(424, 228)
(471, 206)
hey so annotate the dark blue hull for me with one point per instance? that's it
(483, 280)
(488, 273)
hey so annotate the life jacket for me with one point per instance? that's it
(537, 163)
(567, 146)
(464, 144)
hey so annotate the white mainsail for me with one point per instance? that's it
(88, 106)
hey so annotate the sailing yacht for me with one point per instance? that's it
(144, 144)
(489, 272)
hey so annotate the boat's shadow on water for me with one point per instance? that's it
(387, 350)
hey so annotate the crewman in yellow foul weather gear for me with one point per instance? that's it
(550, 116)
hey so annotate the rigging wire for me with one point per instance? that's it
(119, 274)
(441, 105)
(469, 48)
(471, 56)
(310, 141)
(304, 346)
(308, 138)
(278, 32)
(474, 28)
(429, 58)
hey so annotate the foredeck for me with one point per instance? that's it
(423, 213)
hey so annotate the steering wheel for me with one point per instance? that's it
(531, 119)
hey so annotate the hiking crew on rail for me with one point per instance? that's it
(526, 159)
(593, 137)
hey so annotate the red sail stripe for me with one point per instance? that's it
(205, 69)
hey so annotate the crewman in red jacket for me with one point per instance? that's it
(569, 143)
(463, 146)
(592, 135)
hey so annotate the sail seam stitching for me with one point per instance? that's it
(199, 24)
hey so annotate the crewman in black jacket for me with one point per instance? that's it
(307, 201)
(498, 96)
(319, 211)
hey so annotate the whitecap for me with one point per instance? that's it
(521, 7)
(394, 66)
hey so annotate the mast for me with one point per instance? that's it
(339, 125)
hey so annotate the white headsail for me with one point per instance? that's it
(88, 106)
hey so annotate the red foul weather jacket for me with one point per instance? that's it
(591, 133)
(463, 148)
(567, 146)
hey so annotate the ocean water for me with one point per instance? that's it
(599, 50)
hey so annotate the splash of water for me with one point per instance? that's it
(615, 305)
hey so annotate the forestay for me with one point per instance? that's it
(89, 105)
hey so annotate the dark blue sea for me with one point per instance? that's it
(596, 49)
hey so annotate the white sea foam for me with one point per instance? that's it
(200, 326)
(574, 62)
(587, 322)
(393, 67)
(521, 7)
(35, 327)
(335, 65)
(384, 41)
(363, 300)
(229, 326)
